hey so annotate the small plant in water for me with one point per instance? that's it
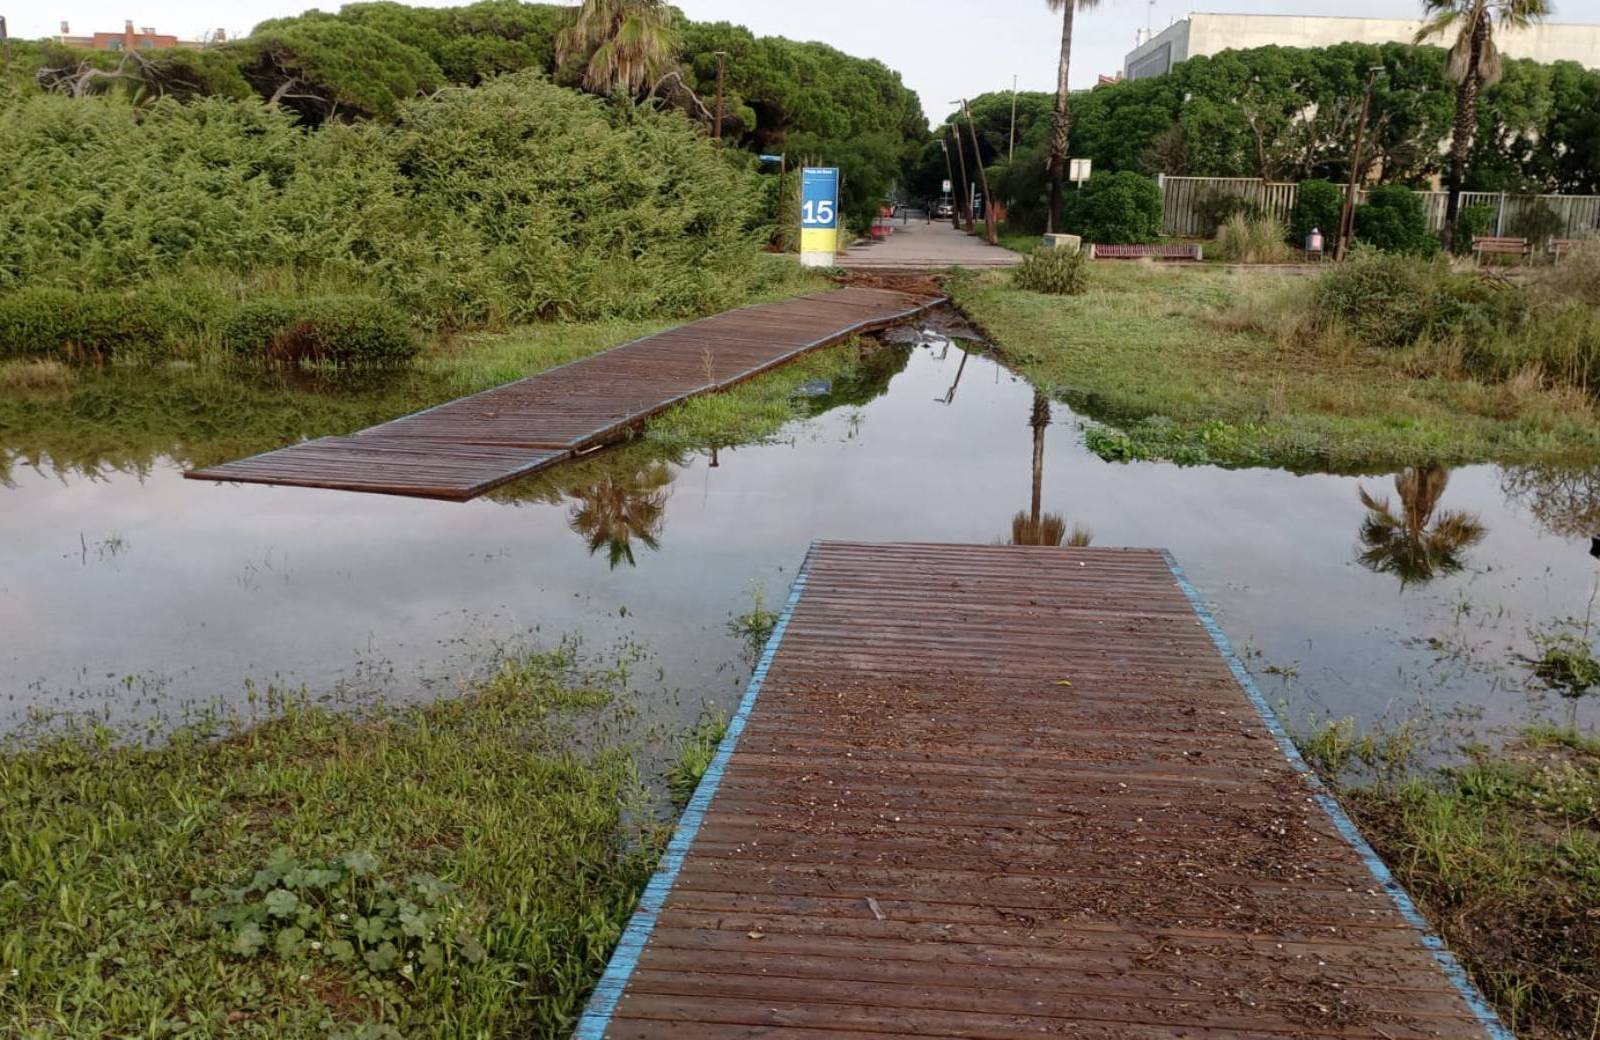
(755, 625)
(699, 748)
(1565, 664)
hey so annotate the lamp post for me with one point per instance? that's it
(951, 177)
(1347, 218)
(1011, 139)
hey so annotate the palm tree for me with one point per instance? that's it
(617, 508)
(1035, 527)
(1474, 65)
(623, 45)
(1061, 117)
(1419, 543)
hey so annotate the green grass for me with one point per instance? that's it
(694, 758)
(458, 869)
(1501, 853)
(1173, 365)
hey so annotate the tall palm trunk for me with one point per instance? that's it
(1466, 124)
(1061, 118)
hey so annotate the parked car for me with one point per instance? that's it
(943, 211)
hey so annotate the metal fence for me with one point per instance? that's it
(1189, 205)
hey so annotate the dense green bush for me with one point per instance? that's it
(463, 212)
(1393, 219)
(346, 330)
(1320, 206)
(1392, 300)
(1060, 272)
(1116, 208)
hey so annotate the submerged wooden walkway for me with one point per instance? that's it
(461, 449)
(1011, 792)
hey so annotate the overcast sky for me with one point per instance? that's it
(943, 48)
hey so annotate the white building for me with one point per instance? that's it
(1205, 34)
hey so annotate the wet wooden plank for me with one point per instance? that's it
(465, 447)
(998, 792)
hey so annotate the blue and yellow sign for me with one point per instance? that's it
(819, 215)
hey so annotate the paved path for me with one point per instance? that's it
(468, 446)
(979, 791)
(920, 246)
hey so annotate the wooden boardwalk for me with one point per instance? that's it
(918, 245)
(1010, 792)
(461, 449)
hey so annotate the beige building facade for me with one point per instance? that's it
(1205, 34)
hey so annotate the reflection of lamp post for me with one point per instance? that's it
(1347, 219)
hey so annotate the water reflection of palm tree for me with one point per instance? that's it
(1419, 543)
(1036, 527)
(616, 508)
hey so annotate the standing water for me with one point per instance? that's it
(138, 596)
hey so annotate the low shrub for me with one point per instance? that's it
(1472, 222)
(39, 320)
(1536, 222)
(1320, 206)
(345, 330)
(46, 320)
(1252, 240)
(1059, 272)
(1216, 208)
(1117, 208)
(1391, 300)
(1392, 219)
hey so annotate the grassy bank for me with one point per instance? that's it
(457, 869)
(1503, 856)
(1203, 366)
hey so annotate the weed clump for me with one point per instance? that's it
(1390, 300)
(1057, 272)
(1243, 239)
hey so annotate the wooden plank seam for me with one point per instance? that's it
(608, 991)
(1341, 820)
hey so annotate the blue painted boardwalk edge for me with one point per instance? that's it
(608, 991)
(1341, 820)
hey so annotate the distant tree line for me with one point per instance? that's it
(806, 99)
(1288, 114)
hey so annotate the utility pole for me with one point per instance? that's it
(961, 160)
(5, 44)
(983, 178)
(716, 134)
(1011, 141)
(1347, 218)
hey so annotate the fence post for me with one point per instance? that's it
(1500, 218)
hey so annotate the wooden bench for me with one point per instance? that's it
(1486, 245)
(1155, 251)
(1560, 247)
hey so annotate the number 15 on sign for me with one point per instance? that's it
(819, 216)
